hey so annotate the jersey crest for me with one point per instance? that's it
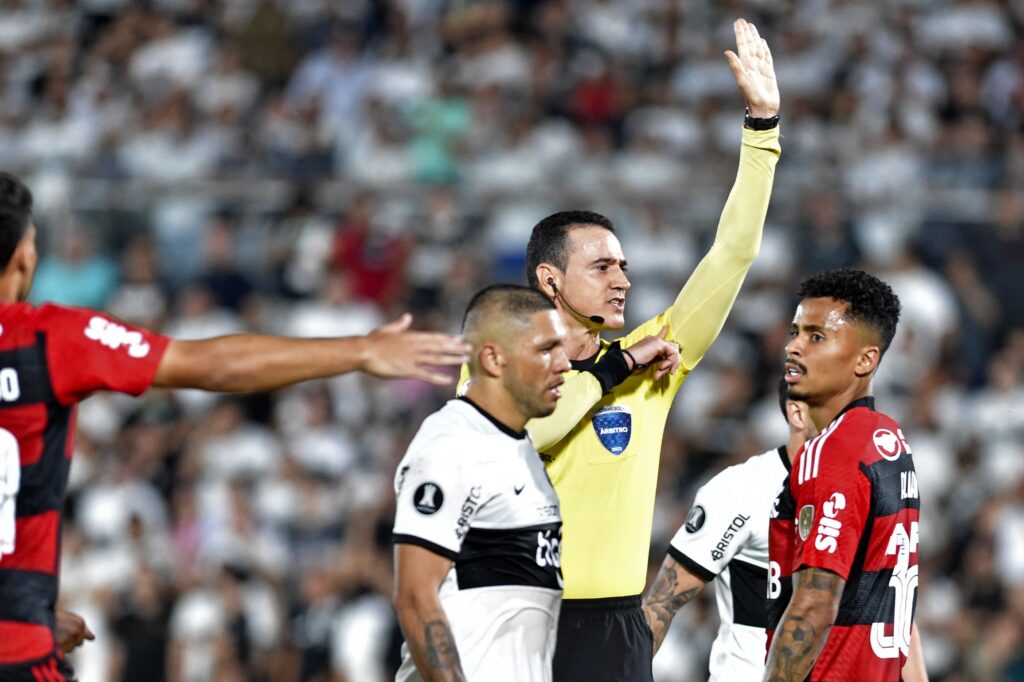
(613, 426)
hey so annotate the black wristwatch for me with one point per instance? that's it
(760, 123)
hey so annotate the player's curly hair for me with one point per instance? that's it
(547, 241)
(15, 213)
(871, 300)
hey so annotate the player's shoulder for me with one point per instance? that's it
(743, 484)
(457, 432)
(871, 434)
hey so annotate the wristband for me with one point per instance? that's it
(760, 123)
(612, 369)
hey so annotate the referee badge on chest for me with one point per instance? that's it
(613, 426)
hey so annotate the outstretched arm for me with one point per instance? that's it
(242, 363)
(804, 628)
(700, 310)
(673, 588)
(418, 575)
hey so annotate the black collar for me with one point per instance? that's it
(784, 456)
(518, 435)
(588, 363)
(867, 401)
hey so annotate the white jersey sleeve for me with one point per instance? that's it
(719, 523)
(437, 497)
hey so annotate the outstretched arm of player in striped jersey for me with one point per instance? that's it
(242, 363)
(673, 588)
(804, 628)
(418, 575)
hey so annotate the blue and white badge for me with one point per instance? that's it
(613, 425)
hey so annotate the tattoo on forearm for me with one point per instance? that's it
(442, 655)
(665, 599)
(805, 626)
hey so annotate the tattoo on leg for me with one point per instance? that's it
(442, 653)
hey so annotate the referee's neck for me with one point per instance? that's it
(582, 343)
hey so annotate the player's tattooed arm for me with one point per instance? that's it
(673, 588)
(804, 628)
(418, 575)
(442, 656)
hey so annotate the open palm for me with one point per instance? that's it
(755, 73)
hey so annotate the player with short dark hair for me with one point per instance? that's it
(844, 532)
(602, 445)
(477, 533)
(52, 357)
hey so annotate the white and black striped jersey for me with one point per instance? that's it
(725, 539)
(476, 492)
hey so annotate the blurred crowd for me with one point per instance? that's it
(314, 167)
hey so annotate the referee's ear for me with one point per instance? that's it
(548, 277)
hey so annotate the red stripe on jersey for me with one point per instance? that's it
(35, 542)
(883, 549)
(843, 659)
(27, 423)
(21, 642)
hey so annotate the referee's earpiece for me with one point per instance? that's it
(596, 319)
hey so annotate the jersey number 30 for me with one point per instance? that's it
(10, 483)
(904, 582)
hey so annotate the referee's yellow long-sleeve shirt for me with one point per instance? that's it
(602, 452)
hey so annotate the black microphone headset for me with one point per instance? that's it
(596, 319)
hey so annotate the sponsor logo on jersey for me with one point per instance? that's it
(469, 507)
(806, 521)
(723, 543)
(695, 519)
(428, 498)
(890, 445)
(829, 526)
(613, 426)
(549, 551)
(114, 336)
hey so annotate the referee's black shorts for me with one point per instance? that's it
(603, 640)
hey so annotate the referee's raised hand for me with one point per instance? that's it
(394, 351)
(755, 73)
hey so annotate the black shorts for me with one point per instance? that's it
(603, 640)
(50, 669)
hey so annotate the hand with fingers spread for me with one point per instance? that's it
(755, 73)
(657, 352)
(72, 631)
(394, 351)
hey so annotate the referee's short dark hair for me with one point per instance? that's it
(513, 302)
(548, 240)
(15, 215)
(871, 300)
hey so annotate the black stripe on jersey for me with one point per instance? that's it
(510, 556)
(872, 601)
(887, 479)
(784, 506)
(43, 482)
(33, 376)
(691, 565)
(749, 585)
(27, 596)
(401, 539)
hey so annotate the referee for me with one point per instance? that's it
(602, 444)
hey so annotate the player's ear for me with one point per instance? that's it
(491, 359)
(867, 361)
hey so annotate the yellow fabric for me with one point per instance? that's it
(607, 499)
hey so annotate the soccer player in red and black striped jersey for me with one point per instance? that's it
(843, 536)
(52, 357)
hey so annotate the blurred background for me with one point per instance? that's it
(315, 167)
